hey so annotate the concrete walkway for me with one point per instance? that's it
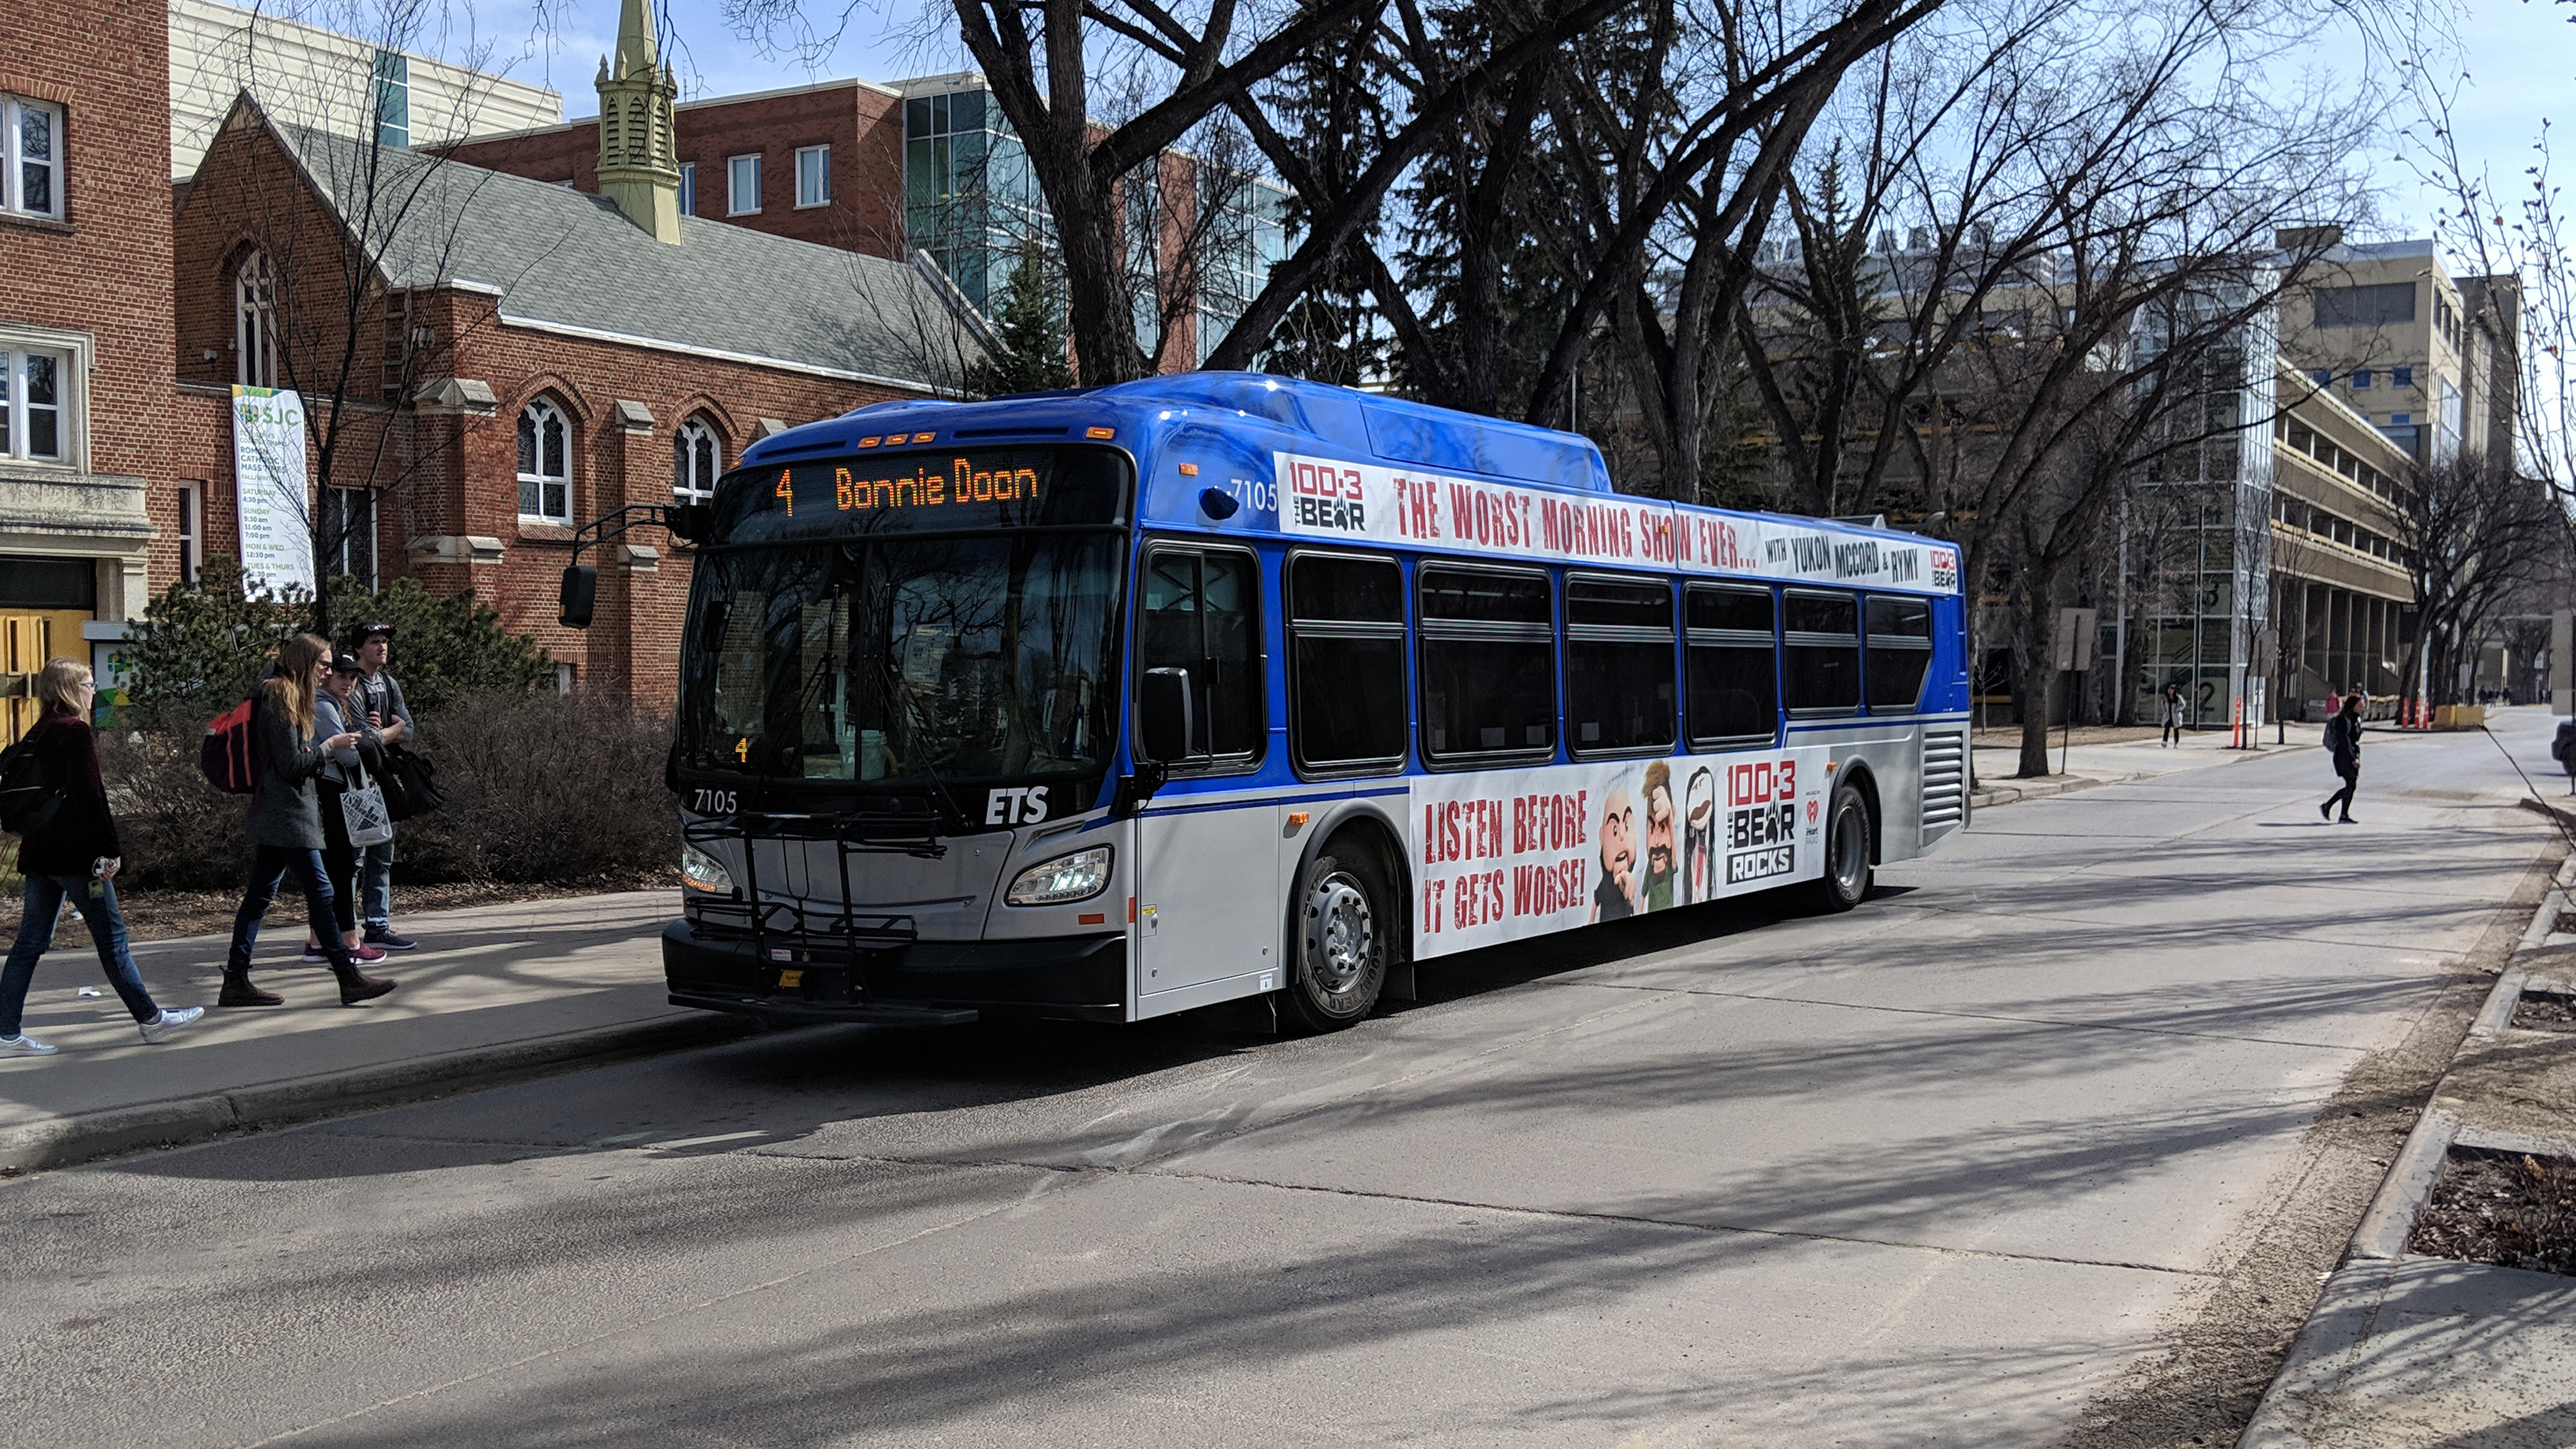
(492, 992)
(2084, 766)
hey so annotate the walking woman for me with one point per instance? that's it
(346, 771)
(73, 854)
(2173, 716)
(2343, 743)
(285, 822)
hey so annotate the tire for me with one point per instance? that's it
(1346, 925)
(1848, 851)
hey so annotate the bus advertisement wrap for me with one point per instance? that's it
(1393, 508)
(1507, 854)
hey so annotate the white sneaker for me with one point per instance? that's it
(24, 1046)
(167, 1021)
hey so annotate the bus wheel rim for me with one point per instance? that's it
(1851, 851)
(1341, 932)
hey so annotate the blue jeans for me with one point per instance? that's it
(266, 868)
(376, 885)
(36, 931)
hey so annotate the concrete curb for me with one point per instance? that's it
(1988, 796)
(82, 1137)
(2497, 1014)
(2391, 1220)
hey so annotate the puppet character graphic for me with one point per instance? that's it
(1615, 898)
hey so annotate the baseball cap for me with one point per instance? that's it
(370, 630)
(345, 662)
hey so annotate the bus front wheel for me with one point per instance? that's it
(1847, 852)
(1344, 930)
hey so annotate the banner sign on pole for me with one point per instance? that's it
(270, 492)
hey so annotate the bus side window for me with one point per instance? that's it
(1821, 657)
(1618, 666)
(1900, 651)
(1734, 665)
(1345, 664)
(1202, 613)
(1488, 662)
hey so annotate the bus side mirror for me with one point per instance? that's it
(1163, 721)
(691, 522)
(579, 593)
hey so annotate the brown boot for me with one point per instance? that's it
(357, 986)
(239, 992)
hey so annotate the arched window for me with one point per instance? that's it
(255, 322)
(545, 463)
(695, 461)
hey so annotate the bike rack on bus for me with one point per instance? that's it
(850, 833)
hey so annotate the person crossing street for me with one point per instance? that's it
(2343, 743)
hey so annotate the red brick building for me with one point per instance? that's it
(86, 510)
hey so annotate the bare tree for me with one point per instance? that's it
(2478, 536)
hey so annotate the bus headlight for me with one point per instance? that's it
(1065, 879)
(703, 872)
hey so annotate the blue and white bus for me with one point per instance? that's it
(1114, 703)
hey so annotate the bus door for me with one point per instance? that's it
(1206, 857)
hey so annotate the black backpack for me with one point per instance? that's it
(29, 799)
(2559, 743)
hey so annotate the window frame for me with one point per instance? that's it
(1726, 639)
(688, 188)
(191, 532)
(74, 354)
(1427, 630)
(1907, 642)
(12, 162)
(822, 177)
(1859, 647)
(698, 423)
(1401, 631)
(733, 186)
(330, 503)
(541, 478)
(1211, 764)
(1569, 632)
(256, 359)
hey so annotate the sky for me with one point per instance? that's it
(2517, 57)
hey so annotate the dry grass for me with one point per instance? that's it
(2505, 1208)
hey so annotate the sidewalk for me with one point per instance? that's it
(2406, 1351)
(2089, 765)
(492, 992)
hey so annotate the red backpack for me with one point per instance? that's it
(225, 755)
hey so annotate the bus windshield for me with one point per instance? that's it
(897, 661)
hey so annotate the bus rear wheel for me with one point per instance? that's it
(1848, 850)
(1345, 928)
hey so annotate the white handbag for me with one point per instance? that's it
(362, 810)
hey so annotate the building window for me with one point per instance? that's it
(2321, 378)
(688, 188)
(2361, 381)
(695, 461)
(393, 99)
(545, 463)
(192, 531)
(742, 186)
(2374, 306)
(31, 142)
(35, 404)
(814, 176)
(349, 534)
(2401, 377)
(255, 322)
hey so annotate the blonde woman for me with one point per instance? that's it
(285, 822)
(73, 853)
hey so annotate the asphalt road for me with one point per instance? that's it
(2007, 1156)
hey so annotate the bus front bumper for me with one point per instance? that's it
(1080, 978)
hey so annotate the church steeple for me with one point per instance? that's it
(639, 165)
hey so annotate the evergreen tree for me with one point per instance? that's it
(1032, 333)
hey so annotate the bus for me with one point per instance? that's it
(1118, 702)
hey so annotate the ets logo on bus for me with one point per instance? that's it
(1325, 498)
(1761, 820)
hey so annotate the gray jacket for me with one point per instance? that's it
(283, 808)
(380, 693)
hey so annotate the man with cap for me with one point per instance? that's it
(379, 702)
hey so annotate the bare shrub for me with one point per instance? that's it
(179, 832)
(543, 788)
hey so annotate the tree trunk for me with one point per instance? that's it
(2036, 685)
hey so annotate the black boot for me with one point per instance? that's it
(239, 992)
(357, 986)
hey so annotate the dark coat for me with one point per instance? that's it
(283, 808)
(81, 830)
(2343, 741)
